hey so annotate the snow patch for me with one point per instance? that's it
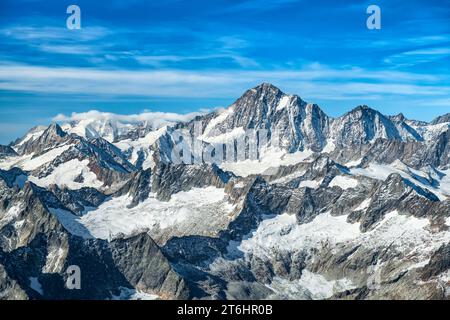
(29, 162)
(309, 286)
(31, 136)
(354, 163)
(49, 156)
(215, 121)
(289, 177)
(224, 138)
(283, 233)
(431, 132)
(141, 145)
(363, 205)
(283, 103)
(201, 211)
(10, 215)
(310, 184)
(344, 182)
(382, 172)
(66, 173)
(269, 162)
(330, 147)
(132, 294)
(55, 260)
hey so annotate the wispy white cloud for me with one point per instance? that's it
(68, 49)
(162, 60)
(220, 49)
(155, 119)
(414, 57)
(44, 34)
(313, 81)
(100, 45)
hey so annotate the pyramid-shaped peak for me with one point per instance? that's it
(54, 129)
(362, 109)
(267, 86)
(441, 119)
(398, 117)
(266, 89)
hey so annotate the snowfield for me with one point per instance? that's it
(268, 164)
(420, 178)
(277, 234)
(309, 286)
(131, 294)
(343, 182)
(198, 211)
(66, 173)
(282, 233)
(29, 162)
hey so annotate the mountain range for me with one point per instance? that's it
(353, 207)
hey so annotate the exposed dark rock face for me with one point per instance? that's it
(13, 177)
(387, 197)
(43, 243)
(78, 201)
(439, 263)
(168, 179)
(51, 137)
(441, 119)
(9, 288)
(138, 187)
(7, 151)
(146, 268)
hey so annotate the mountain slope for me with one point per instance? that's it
(352, 207)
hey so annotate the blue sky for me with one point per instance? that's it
(183, 56)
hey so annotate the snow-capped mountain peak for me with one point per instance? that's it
(340, 202)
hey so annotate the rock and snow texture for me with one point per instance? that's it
(200, 211)
(353, 207)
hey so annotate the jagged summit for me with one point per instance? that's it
(54, 130)
(6, 151)
(266, 88)
(362, 109)
(398, 117)
(441, 119)
(38, 141)
(268, 97)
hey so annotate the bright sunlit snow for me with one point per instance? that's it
(198, 211)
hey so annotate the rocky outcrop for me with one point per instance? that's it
(7, 151)
(168, 179)
(439, 263)
(9, 288)
(138, 187)
(51, 137)
(441, 119)
(36, 250)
